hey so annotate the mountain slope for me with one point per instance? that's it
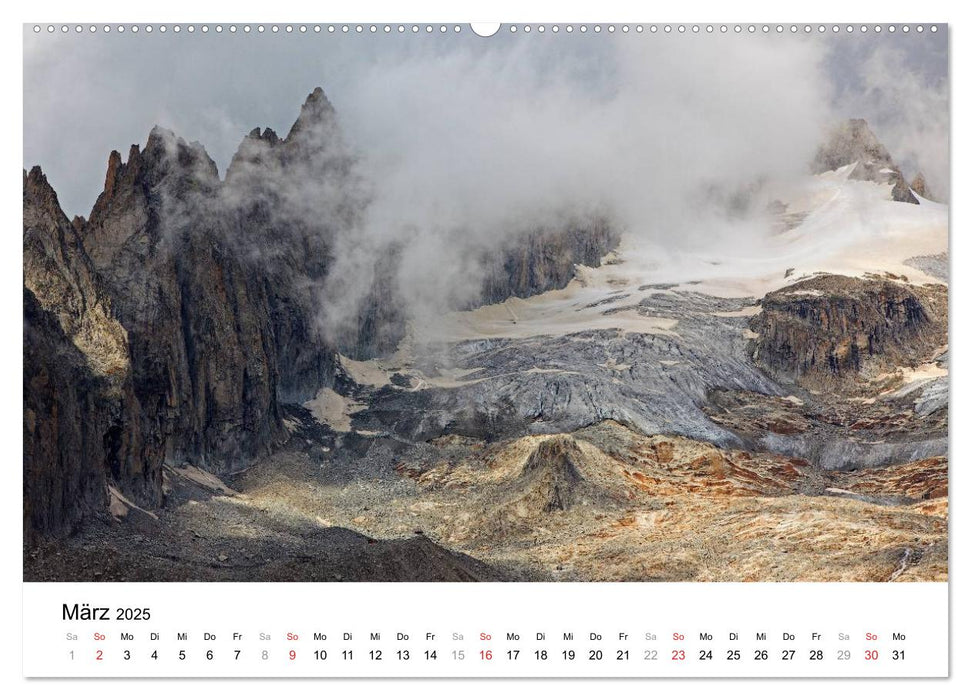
(186, 310)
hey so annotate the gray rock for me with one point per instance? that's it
(853, 142)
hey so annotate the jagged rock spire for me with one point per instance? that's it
(316, 110)
(314, 137)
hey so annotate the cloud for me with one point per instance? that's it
(483, 143)
(462, 145)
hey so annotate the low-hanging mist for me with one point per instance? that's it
(468, 150)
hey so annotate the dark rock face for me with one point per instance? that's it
(218, 282)
(292, 197)
(63, 428)
(532, 263)
(202, 343)
(853, 142)
(379, 324)
(82, 426)
(831, 328)
(545, 259)
(287, 199)
(184, 311)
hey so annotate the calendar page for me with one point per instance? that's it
(449, 350)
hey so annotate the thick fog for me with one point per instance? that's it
(487, 141)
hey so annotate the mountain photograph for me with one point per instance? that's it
(605, 306)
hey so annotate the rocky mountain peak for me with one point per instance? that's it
(37, 186)
(164, 154)
(253, 150)
(853, 142)
(119, 175)
(267, 135)
(316, 110)
(40, 200)
(171, 153)
(314, 141)
(111, 176)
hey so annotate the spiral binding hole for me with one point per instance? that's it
(512, 28)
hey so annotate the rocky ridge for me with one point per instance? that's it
(195, 302)
(82, 417)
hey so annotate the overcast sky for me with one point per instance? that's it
(457, 113)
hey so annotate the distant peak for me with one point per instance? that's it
(161, 133)
(314, 138)
(37, 187)
(252, 150)
(165, 146)
(853, 142)
(36, 182)
(316, 109)
(316, 105)
(36, 176)
(267, 135)
(316, 97)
